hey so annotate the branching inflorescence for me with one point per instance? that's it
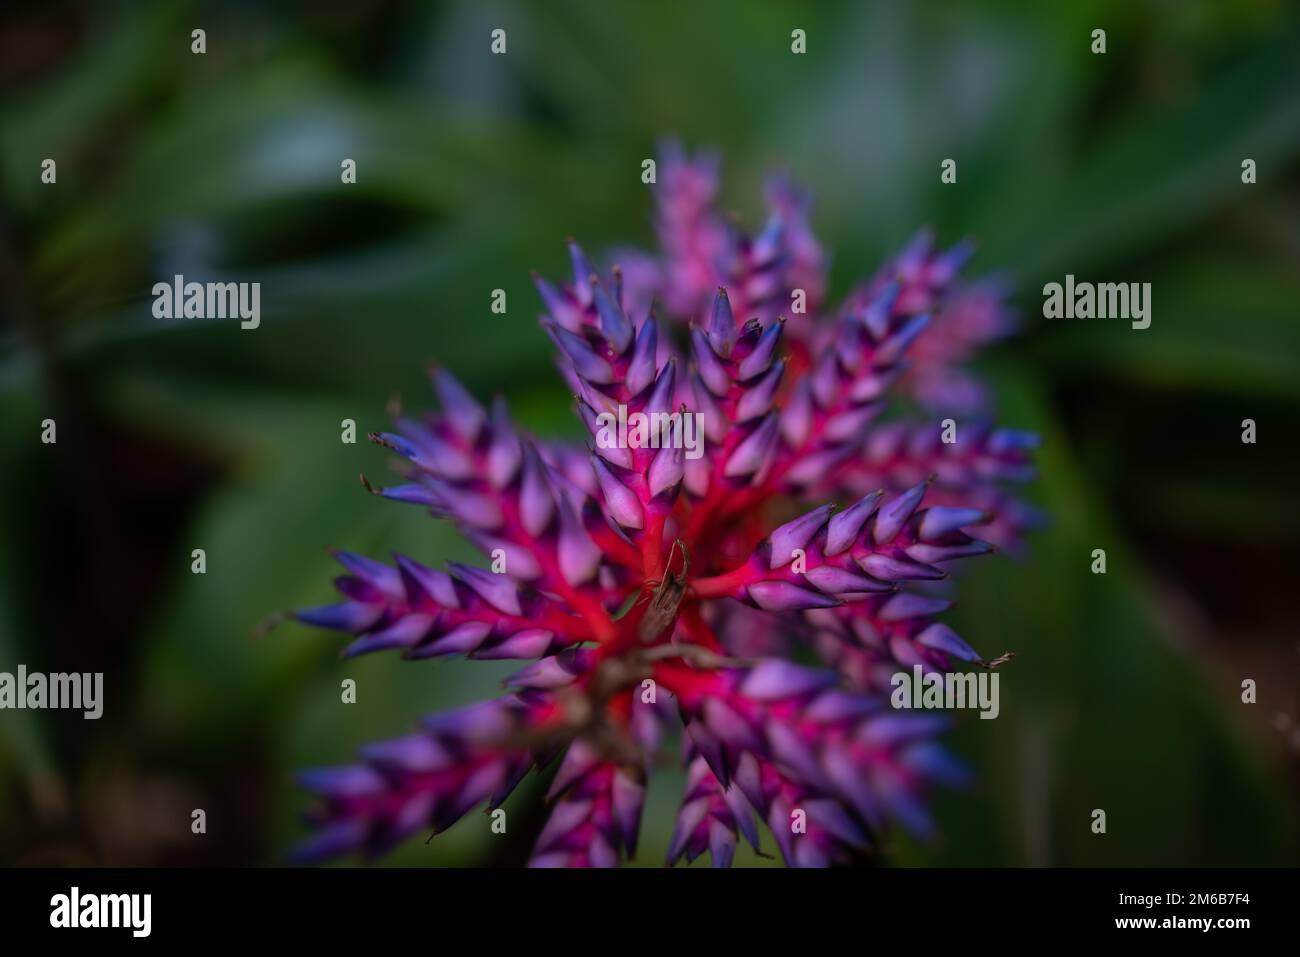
(651, 589)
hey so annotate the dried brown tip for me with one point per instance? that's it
(1001, 659)
(269, 624)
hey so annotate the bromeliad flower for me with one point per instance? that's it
(652, 588)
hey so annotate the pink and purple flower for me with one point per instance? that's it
(649, 590)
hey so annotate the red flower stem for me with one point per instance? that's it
(717, 586)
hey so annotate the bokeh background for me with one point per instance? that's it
(1125, 694)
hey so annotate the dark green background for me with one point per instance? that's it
(1125, 694)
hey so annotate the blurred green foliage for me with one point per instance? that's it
(471, 169)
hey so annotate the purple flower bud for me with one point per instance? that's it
(661, 399)
(586, 363)
(579, 555)
(416, 753)
(582, 274)
(464, 505)
(528, 643)
(942, 638)
(344, 616)
(758, 399)
(938, 521)
(892, 349)
(623, 505)
(797, 416)
(420, 583)
(908, 605)
(932, 554)
(755, 452)
(844, 527)
(557, 306)
(614, 325)
(504, 454)
(839, 581)
(460, 640)
(357, 780)
(711, 368)
(797, 534)
(757, 362)
(642, 368)
(499, 591)
(898, 568)
(666, 471)
(536, 500)
(892, 516)
(775, 679)
(722, 325)
(464, 413)
(406, 632)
